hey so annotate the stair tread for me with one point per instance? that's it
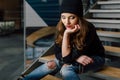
(50, 77)
(104, 21)
(104, 11)
(112, 49)
(39, 34)
(47, 58)
(108, 2)
(108, 34)
(110, 71)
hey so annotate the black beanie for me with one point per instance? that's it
(72, 6)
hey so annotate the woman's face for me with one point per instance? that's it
(69, 20)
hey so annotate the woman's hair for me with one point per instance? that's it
(77, 39)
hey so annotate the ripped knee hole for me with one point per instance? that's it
(51, 64)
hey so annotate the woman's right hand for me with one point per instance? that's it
(84, 60)
(75, 29)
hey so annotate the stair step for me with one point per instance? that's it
(50, 77)
(108, 2)
(103, 11)
(110, 6)
(106, 15)
(39, 34)
(111, 50)
(104, 21)
(109, 73)
(47, 58)
(109, 34)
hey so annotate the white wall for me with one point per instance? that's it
(31, 18)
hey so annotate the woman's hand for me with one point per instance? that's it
(75, 29)
(84, 60)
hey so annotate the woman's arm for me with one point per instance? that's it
(66, 40)
(66, 47)
(66, 44)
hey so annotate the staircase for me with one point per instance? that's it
(106, 18)
(48, 10)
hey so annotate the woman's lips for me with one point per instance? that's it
(68, 26)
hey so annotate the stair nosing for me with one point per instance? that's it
(108, 2)
(104, 21)
(104, 11)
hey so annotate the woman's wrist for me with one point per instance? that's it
(66, 33)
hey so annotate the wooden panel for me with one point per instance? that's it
(39, 34)
(112, 49)
(47, 58)
(50, 77)
(110, 71)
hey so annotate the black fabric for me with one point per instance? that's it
(72, 6)
(93, 47)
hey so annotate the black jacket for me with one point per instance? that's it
(93, 47)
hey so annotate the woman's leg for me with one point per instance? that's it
(69, 72)
(42, 71)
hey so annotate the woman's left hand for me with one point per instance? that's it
(84, 60)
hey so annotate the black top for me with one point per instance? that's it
(93, 47)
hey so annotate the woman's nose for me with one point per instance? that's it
(67, 21)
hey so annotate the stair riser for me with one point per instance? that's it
(108, 39)
(107, 25)
(106, 15)
(109, 35)
(110, 6)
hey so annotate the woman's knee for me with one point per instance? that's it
(68, 73)
(65, 70)
(51, 64)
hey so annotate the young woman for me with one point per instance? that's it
(77, 46)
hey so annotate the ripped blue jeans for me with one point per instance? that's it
(69, 72)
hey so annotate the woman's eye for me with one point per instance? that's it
(63, 17)
(72, 17)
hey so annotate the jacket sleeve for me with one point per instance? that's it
(58, 53)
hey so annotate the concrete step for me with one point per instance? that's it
(109, 4)
(105, 13)
(105, 23)
(109, 34)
